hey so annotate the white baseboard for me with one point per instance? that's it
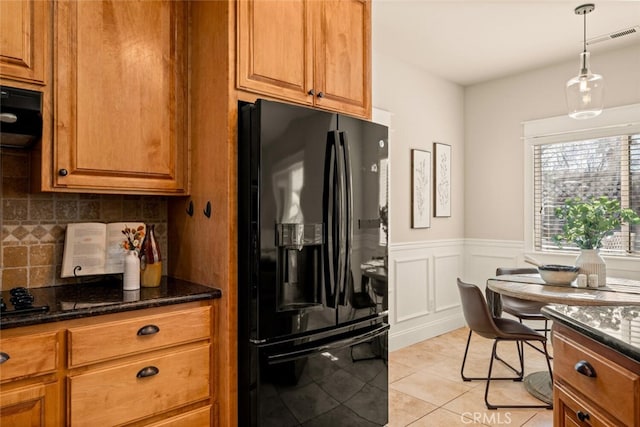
(400, 338)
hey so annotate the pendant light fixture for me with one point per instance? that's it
(584, 92)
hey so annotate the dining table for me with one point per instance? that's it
(617, 292)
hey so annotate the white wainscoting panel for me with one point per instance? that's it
(482, 257)
(423, 297)
(412, 290)
(446, 270)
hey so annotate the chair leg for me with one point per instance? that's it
(520, 348)
(464, 361)
(521, 357)
(545, 330)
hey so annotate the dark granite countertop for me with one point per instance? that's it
(88, 299)
(617, 327)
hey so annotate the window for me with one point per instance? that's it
(582, 158)
(607, 166)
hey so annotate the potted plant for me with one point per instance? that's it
(586, 223)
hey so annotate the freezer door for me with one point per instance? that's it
(343, 382)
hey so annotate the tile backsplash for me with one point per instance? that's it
(34, 224)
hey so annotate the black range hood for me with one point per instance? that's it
(20, 117)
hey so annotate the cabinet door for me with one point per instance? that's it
(34, 405)
(275, 48)
(343, 56)
(570, 411)
(120, 97)
(24, 25)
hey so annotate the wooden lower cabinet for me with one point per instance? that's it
(593, 384)
(145, 367)
(30, 405)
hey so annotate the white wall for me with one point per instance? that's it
(423, 263)
(494, 112)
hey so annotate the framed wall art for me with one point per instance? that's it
(442, 179)
(420, 189)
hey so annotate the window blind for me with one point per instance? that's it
(608, 166)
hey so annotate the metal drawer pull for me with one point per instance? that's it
(148, 330)
(3, 357)
(583, 367)
(149, 371)
(582, 416)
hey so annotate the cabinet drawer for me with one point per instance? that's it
(197, 417)
(88, 344)
(117, 395)
(614, 388)
(568, 408)
(28, 355)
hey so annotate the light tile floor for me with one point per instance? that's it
(425, 388)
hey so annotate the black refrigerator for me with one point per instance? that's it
(312, 258)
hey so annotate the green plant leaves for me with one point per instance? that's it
(587, 222)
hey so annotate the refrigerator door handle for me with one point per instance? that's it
(330, 216)
(341, 221)
(347, 219)
(330, 343)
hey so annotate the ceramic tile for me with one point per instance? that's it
(12, 277)
(41, 209)
(426, 388)
(405, 409)
(14, 256)
(66, 210)
(15, 209)
(443, 418)
(41, 255)
(421, 385)
(398, 370)
(540, 419)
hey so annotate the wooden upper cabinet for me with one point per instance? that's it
(120, 97)
(23, 39)
(308, 52)
(275, 48)
(343, 56)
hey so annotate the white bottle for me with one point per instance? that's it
(131, 276)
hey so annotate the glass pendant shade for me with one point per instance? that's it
(585, 92)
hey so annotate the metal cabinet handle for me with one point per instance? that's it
(149, 371)
(4, 357)
(583, 367)
(148, 330)
(311, 92)
(63, 172)
(320, 94)
(582, 416)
